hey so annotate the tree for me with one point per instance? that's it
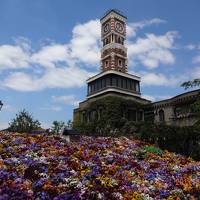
(57, 126)
(24, 122)
(196, 105)
(191, 84)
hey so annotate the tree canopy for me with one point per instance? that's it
(24, 122)
(191, 84)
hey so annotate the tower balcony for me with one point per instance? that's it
(114, 46)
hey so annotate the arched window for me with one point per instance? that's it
(161, 115)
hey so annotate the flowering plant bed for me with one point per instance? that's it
(47, 167)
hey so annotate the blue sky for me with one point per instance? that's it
(49, 48)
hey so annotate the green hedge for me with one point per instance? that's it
(183, 140)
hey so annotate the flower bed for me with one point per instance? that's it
(47, 167)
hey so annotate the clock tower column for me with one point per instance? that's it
(113, 35)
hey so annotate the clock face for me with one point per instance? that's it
(119, 27)
(106, 27)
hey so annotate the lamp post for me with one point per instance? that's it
(1, 105)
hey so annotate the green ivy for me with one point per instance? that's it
(112, 116)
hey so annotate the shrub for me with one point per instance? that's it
(183, 140)
(153, 149)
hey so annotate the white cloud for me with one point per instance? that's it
(192, 46)
(24, 43)
(67, 77)
(66, 99)
(148, 97)
(159, 79)
(51, 55)
(152, 50)
(8, 108)
(195, 73)
(59, 65)
(85, 43)
(13, 57)
(52, 108)
(56, 108)
(196, 59)
(53, 78)
(132, 28)
(20, 81)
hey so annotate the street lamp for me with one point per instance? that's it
(1, 105)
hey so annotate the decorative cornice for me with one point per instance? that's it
(134, 77)
(114, 46)
(114, 90)
(113, 14)
(185, 97)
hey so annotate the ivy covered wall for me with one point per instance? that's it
(108, 115)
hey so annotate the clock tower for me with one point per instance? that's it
(113, 79)
(113, 35)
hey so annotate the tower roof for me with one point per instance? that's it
(113, 10)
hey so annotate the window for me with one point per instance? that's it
(92, 87)
(104, 82)
(124, 84)
(117, 82)
(107, 81)
(113, 81)
(84, 117)
(131, 85)
(137, 87)
(112, 37)
(161, 115)
(122, 41)
(95, 87)
(106, 63)
(119, 62)
(119, 40)
(101, 84)
(128, 84)
(93, 115)
(140, 115)
(98, 83)
(89, 89)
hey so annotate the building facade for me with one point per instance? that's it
(176, 110)
(115, 81)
